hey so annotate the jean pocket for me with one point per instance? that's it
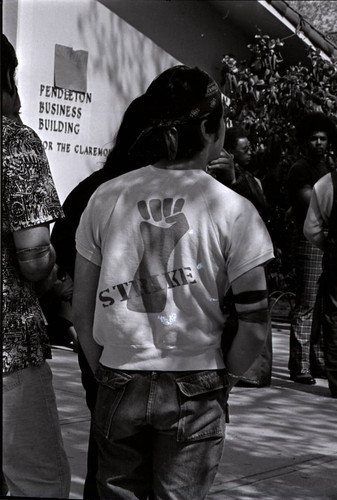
(203, 398)
(112, 385)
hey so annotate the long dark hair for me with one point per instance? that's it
(9, 63)
(119, 159)
(170, 100)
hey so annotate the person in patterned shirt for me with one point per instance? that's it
(34, 459)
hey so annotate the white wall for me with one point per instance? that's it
(121, 64)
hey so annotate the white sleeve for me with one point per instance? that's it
(259, 183)
(313, 228)
(250, 244)
(88, 234)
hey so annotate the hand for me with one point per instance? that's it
(63, 287)
(43, 286)
(223, 168)
(58, 283)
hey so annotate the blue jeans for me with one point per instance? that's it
(160, 435)
(34, 459)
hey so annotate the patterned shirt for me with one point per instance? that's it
(29, 198)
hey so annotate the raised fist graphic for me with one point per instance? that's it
(163, 226)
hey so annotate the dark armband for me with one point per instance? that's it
(33, 253)
(250, 297)
(257, 316)
(37, 262)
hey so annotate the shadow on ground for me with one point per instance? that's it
(281, 442)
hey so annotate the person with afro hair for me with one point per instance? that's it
(315, 133)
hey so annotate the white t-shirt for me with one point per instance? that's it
(169, 244)
(319, 211)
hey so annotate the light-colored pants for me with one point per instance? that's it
(305, 354)
(34, 460)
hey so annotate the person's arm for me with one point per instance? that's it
(35, 254)
(29, 180)
(251, 303)
(304, 195)
(83, 308)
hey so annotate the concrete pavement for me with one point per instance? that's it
(281, 441)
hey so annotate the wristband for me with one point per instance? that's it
(37, 262)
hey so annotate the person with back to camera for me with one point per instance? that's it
(34, 459)
(231, 170)
(117, 163)
(157, 250)
(306, 358)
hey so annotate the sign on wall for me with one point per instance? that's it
(80, 65)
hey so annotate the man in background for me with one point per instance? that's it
(231, 169)
(322, 215)
(306, 360)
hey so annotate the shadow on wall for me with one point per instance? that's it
(122, 56)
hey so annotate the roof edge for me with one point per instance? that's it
(300, 24)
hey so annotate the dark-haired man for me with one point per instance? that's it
(157, 249)
(231, 170)
(306, 360)
(34, 459)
